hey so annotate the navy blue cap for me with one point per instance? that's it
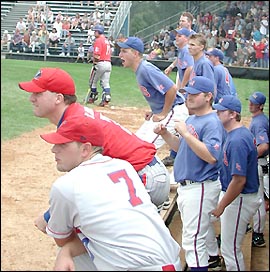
(183, 31)
(228, 102)
(216, 52)
(257, 98)
(200, 84)
(132, 42)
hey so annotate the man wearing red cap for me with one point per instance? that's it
(106, 204)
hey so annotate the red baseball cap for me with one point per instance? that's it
(50, 79)
(78, 128)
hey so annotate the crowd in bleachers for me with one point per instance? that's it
(241, 32)
(35, 30)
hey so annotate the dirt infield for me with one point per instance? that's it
(28, 170)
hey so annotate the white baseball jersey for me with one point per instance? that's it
(105, 200)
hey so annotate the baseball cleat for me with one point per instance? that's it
(106, 98)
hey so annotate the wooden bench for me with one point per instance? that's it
(168, 214)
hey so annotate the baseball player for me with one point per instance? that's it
(259, 127)
(223, 78)
(119, 141)
(101, 69)
(105, 201)
(196, 168)
(159, 91)
(239, 198)
(184, 63)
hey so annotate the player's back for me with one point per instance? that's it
(114, 211)
(119, 142)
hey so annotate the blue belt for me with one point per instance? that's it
(153, 162)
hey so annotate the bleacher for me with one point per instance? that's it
(6, 7)
(69, 8)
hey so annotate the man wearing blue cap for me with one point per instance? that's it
(223, 78)
(196, 169)
(239, 198)
(184, 63)
(259, 127)
(159, 90)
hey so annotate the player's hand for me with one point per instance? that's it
(158, 117)
(218, 211)
(167, 71)
(64, 261)
(181, 128)
(160, 129)
(41, 223)
(148, 115)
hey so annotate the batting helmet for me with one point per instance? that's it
(99, 28)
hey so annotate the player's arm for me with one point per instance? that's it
(234, 189)
(96, 58)
(262, 148)
(186, 77)
(197, 146)
(169, 138)
(169, 99)
(168, 70)
(71, 247)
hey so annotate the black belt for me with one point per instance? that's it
(179, 104)
(262, 157)
(153, 162)
(188, 182)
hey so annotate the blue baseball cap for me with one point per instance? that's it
(183, 31)
(216, 52)
(200, 84)
(228, 102)
(132, 42)
(257, 98)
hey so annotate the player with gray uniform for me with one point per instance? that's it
(101, 69)
(103, 199)
(196, 168)
(239, 198)
(259, 127)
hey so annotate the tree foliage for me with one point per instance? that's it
(146, 13)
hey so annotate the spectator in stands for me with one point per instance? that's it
(256, 34)
(30, 15)
(170, 53)
(80, 53)
(90, 35)
(76, 22)
(5, 41)
(16, 42)
(26, 41)
(259, 50)
(43, 35)
(99, 4)
(266, 52)
(32, 26)
(96, 16)
(107, 17)
(59, 16)
(34, 41)
(229, 48)
(264, 26)
(21, 25)
(68, 46)
(54, 38)
(84, 21)
(65, 29)
(58, 25)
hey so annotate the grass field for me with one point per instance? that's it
(16, 110)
